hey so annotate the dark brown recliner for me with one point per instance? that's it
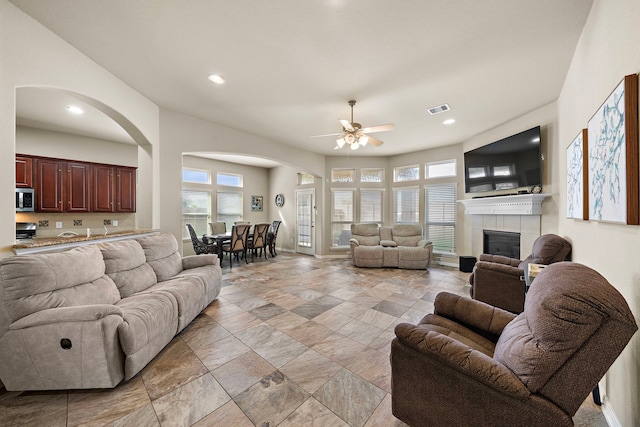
(470, 363)
(498, 280)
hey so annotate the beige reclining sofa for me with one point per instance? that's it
(400, 245)
(97, 314)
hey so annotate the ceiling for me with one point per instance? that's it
(291, 66)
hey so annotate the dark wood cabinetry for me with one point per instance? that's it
(114, 189)
(24, 171)
(70, 186)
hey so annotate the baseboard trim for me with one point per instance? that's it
(610, 415)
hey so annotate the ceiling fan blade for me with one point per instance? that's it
(327, 134)
(374, 141)
(381, 128)
(347, 125)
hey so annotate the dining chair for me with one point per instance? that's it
(241, 222)
(199, 246)
(275, 226)
(238, 243)
(259, 241)
(218, 227)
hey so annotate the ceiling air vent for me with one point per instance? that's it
(439, 109)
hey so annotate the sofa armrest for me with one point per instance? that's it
(474, 314)
(424, 243)
(462, 358)
(195, 261)
(66, 314)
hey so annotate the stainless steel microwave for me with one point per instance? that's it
(25, 200)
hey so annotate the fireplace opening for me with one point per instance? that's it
(501, 243)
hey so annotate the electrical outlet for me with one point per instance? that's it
(59, 224)
(115, 222)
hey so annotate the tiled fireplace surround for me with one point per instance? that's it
(517, 214)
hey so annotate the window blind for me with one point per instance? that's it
(371, 206)
(440, 215)
(405, 205)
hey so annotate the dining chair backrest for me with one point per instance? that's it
(199, 246)
(239, 237)
(260, 235)
(241, 222)
(218, 227)
(275, 225)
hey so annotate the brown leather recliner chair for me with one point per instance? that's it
(470, 363)
(498, 280)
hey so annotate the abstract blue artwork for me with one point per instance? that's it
(575, 177)
(607, 160)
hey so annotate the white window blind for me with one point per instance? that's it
(229, 207)
(406, 207)
(196, 206)
(341, 216)
(371, 206)
(440, 215)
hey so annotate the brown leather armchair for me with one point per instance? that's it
(470, 363)
(497, 279)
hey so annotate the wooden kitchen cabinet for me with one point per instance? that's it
(70, 186)
(48, 185)
(114, 188)
(125, 189)
(24, 171)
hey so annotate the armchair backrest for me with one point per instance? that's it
(547, 249)
(366, 234)
(407, 234)
(574, 326)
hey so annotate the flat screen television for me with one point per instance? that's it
(508, 164)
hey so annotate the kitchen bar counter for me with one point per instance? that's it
(50, 244)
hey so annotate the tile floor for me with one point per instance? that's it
(291, 341)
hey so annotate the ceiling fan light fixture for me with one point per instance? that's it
(340, 142)
(363, 140)
(355, 146)
(349, 138)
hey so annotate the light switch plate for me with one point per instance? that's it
(58, 224)
(115, 223)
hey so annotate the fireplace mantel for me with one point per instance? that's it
(517, 204)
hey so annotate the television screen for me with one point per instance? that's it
(507, 164)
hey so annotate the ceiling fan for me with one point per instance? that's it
(354, 135)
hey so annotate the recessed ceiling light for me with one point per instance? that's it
(74, 110)
(217, 79)
(449, 122)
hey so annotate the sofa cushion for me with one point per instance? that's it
(150, 320)
(365, 234)
(416, 257)
(388, 243)
(390, 257)
(386, 234)
(407, 234)
(367, 256)
(161, 252)
(126, 264)
(38, 282)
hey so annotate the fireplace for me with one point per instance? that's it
(501, 243)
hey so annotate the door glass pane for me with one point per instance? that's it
(304, 220)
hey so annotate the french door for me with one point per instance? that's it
(305, 209)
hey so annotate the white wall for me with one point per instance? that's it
(33, 56)
(607, 51)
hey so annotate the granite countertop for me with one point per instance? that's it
(40, 242)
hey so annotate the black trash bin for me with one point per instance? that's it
(467, 263)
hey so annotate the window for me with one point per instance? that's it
(406, 205)
(195, 211)
(305, 178)
(440, 217)
(229, 179)
(229, 207)
(341, 216)
(196, 176)
(371, 206)
(342, 175)
(406, 173)
(371, 175)
(441, 169)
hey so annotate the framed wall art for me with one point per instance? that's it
(613, 157)
(577, 181)
(256, 203)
